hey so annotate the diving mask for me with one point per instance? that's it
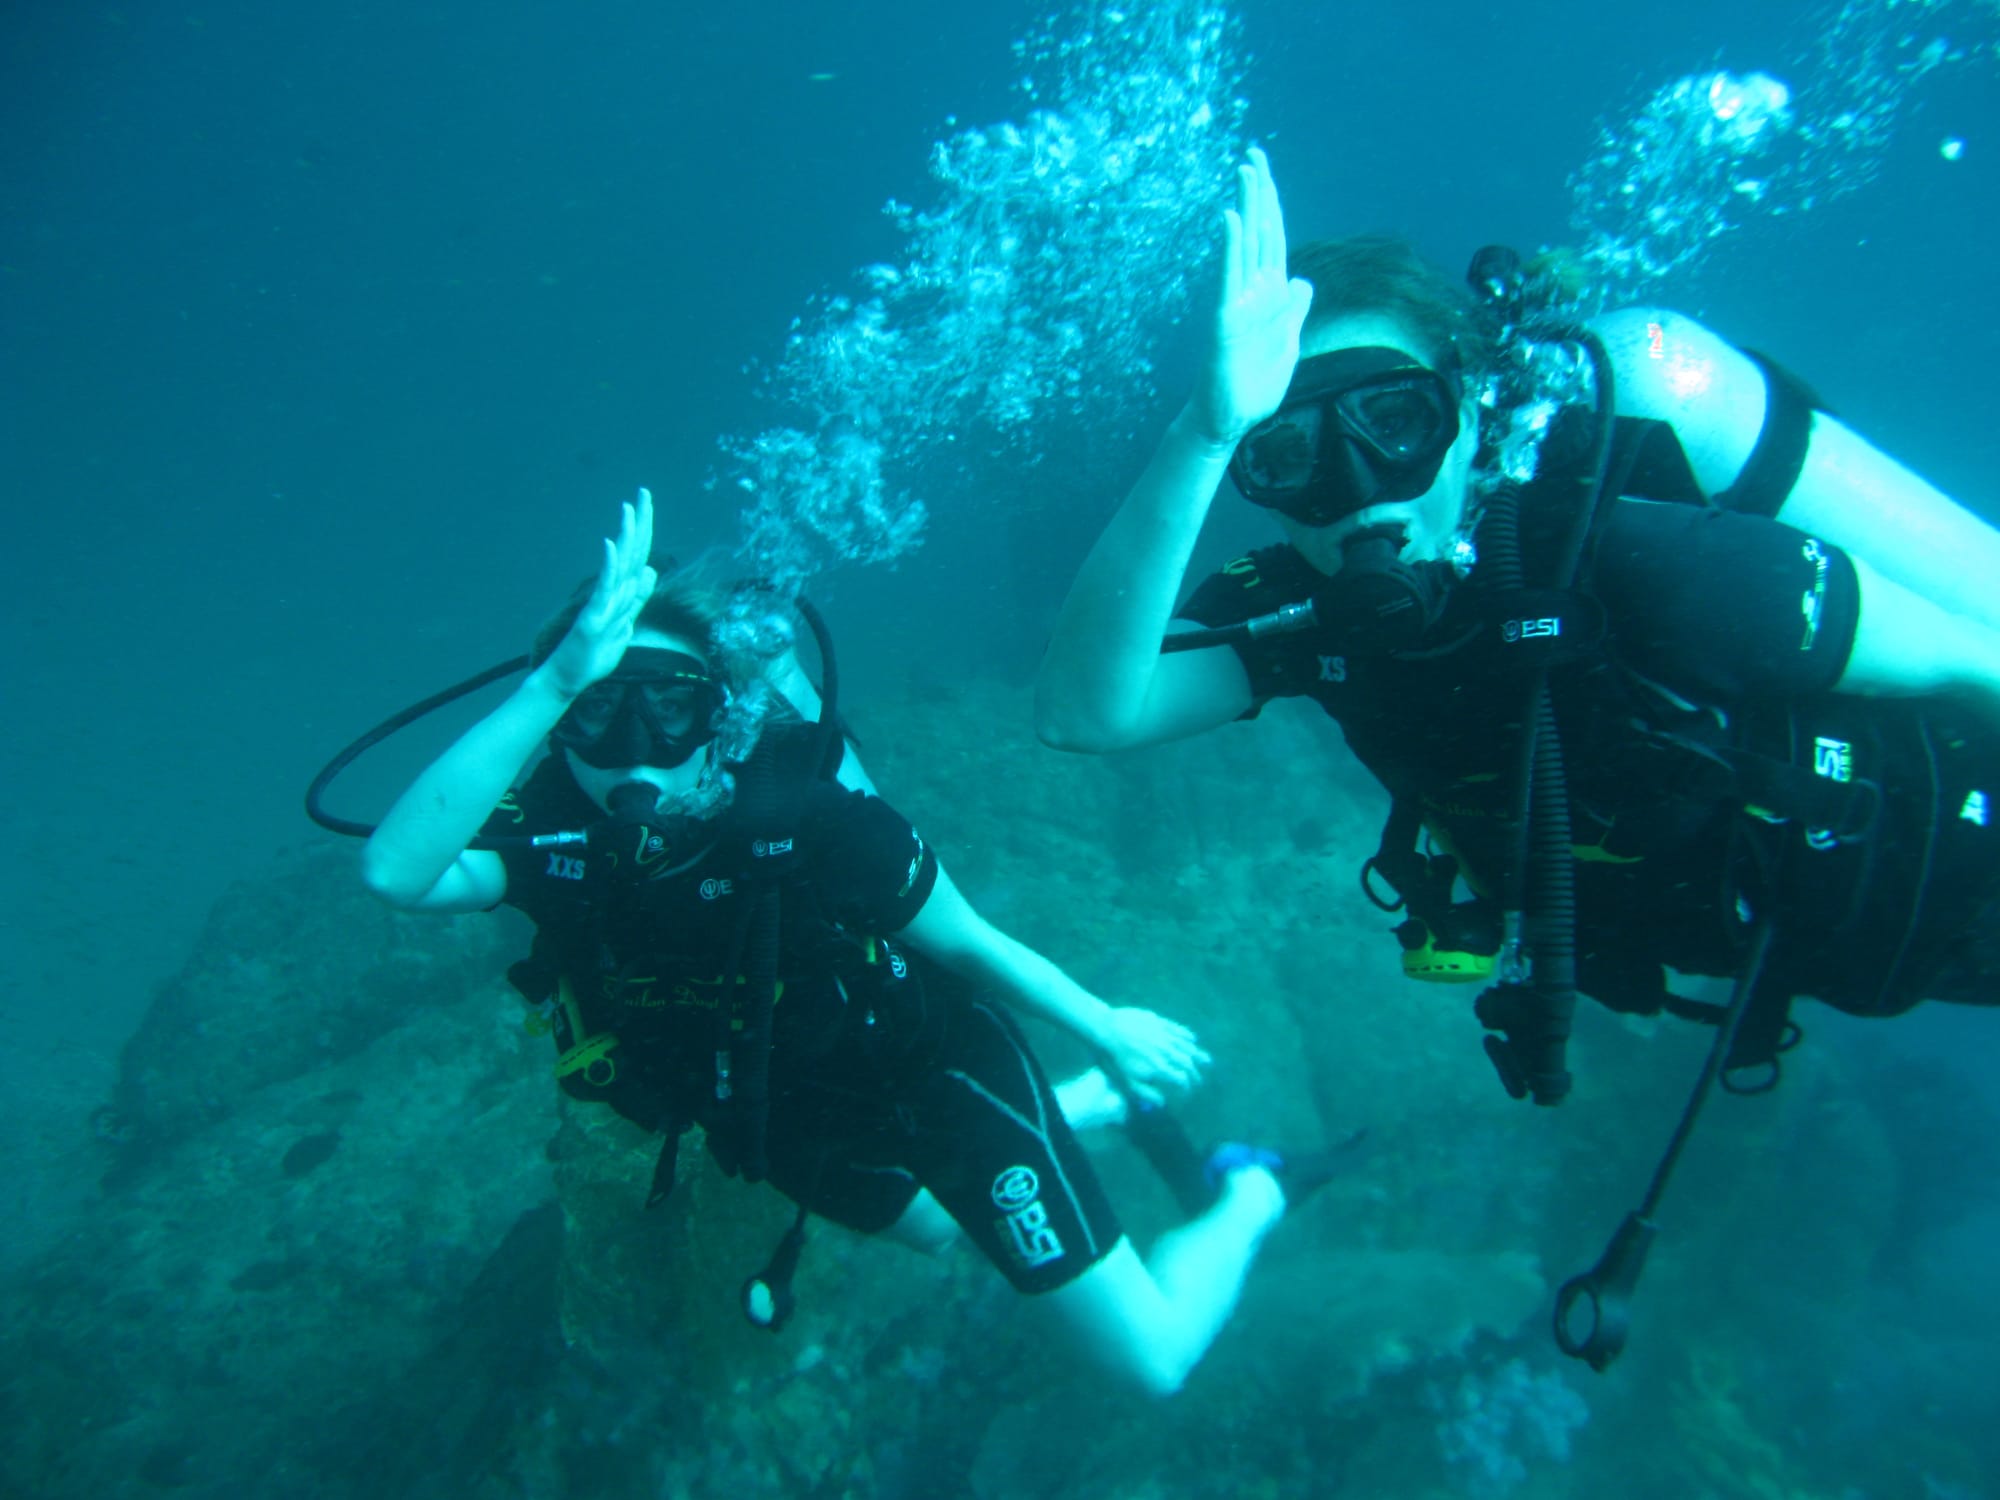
(1357, 427)
(656, 709)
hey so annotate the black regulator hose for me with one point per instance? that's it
(763, 805)
(826, 761)
(1533, 1007)
(752, 1045)
(1593, 1312)
(315, 793)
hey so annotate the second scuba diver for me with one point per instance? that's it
(1661, 665)
(729, 937)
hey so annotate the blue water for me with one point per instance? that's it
(330, 336)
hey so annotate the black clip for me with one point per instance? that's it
(1607, 1287)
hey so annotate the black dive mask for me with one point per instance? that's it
(656, 709)
(1357, 427)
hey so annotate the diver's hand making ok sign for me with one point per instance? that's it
(1259, 311)
(603, 628)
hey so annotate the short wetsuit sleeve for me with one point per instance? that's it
(1282, 665)
(1721, 606)
(538, 882)
(872, 869)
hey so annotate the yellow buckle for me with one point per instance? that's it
(592, 1058)
(1445, 966)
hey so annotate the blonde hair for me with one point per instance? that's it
(1377, 273)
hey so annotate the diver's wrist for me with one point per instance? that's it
(1192, 432)
(544, 693)
(1092, 1022)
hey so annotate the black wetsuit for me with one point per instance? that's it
(1723, 632)
(884, 1077)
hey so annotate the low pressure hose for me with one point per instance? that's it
(1534, 1008)
(763, 805)
(1533, 1005)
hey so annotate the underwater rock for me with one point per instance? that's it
(1494, 1425)
(292, 973)
(264, 1275)
(339, 1264)
(438, 1426)
(202, 1328)
(308, 1152)
(168, 1466)
(884, 1341)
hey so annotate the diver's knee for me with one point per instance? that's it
(935, 1240)
(1149, 1365)
(925, 1226)
(1159, 1378)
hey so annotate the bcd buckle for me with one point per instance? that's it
(1463, 952)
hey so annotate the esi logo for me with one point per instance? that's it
(1529, 630)
(1016, 1188)
(1026, 1228)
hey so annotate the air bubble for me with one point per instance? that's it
(1677, 175)
(1030, 291)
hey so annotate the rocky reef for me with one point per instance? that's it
(349, 1242)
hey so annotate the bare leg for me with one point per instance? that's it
(1152, 1321)
(925, 1226)
(1090, 1101)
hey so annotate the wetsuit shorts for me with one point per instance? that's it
(980, 1129)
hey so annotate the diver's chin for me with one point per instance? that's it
(1394, 515)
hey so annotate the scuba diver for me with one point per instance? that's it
(1662, 666)
(728, 936)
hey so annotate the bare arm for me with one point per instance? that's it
(1104, 684)
(1148, 1051)
(1906, 644)
(1848, 492)
(418, 858)
(1930, 620)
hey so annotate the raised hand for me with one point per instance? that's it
(1259, 312)
(1152, 1054)
(603, 627)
